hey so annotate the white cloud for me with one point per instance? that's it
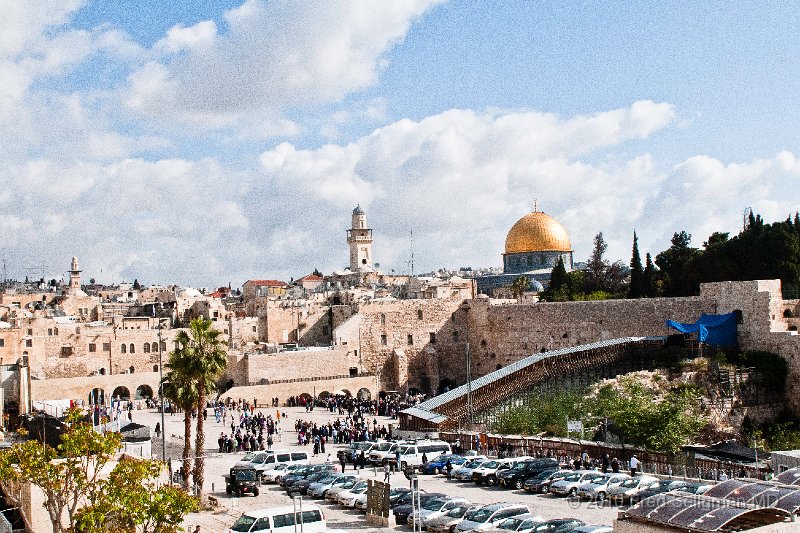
(272, 56)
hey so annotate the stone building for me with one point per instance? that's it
(534, 245)
(359, 239)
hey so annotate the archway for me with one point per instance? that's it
(364, 394)
(787, 313)
(324, 395)
(382, 394)
(445, 385)
(97, 396)
(305, 398)
(121, 393)
(347, 392)
(144, 392)
(413, 391)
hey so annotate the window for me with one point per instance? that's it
(102, 371)
(66, 351)
(146, 347)
(50, 331)
(92, 347)
(130, 370)
(133, 348)
(106, 346)
(455, 335)
(311, 516)
(299, 456)
(28, 343)
(2, 342)
(353, 372)
(383, 340)
(410, 340)
(283, 520)
(254, 329)
(433, 337)
(55, 331)
(123, 348)
(154, 347)
(383, 319)
(419, 314)
(30, 331)
(163, 346)
(155, 368)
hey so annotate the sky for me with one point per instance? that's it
(210, 142)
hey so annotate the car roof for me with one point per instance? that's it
(501, 505)
(260, 513)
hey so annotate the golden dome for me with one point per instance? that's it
(537, 232)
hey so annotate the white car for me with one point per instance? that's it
(437, 507)
(348, 497)
(464, 472)
(333, 492)
(383, 451)
(629, 488)
(597, 488)
(487, 472)
(570, 484)
(273, 475)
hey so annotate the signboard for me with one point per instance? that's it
(575, 426)
(377, 498)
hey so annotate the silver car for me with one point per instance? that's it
(629, 488)
(597, 488)
(490, 516)
(523, 523)
(320, 488)
(569, 485)
(436, 508)
(445, 523)
(464, 473)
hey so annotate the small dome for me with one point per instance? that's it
(537, 232)
(358, 210)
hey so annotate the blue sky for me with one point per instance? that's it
(211, 142)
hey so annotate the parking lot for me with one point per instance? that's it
(230, 508)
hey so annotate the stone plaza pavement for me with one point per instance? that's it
(230, 508)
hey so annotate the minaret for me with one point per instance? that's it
(74, 276)
(359, 238)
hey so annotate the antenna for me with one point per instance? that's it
(412, 253)
(5, 276)
(746, 218)
(535, 207)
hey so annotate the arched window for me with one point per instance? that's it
(146, 347)
(122, 348)
(130, 370)
(155, 368)
(102, 371)
(419, 314)
(133, 348)
(154, 348)
(787, 314)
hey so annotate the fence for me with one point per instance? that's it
(566, 450)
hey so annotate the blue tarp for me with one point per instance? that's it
(716, 330)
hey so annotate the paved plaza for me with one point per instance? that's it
(229, 508)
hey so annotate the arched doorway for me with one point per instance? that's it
(413, 391)
(364, 394)
(305, 398)
(121, 393)
(347, 392)
(324, 395)
(445, 385)
(97, 396)
(144, 392)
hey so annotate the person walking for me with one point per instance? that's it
(343, 459)
(386, 472)
(449, 468)
(634, 465)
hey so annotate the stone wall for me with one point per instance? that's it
(282, 391)
(301, 363)
(79, 388)
(291, 321)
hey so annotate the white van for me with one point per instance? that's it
(281, 520)
(383, 451)
(281, 457)
(412, 452)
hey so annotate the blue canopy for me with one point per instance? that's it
(716, 330)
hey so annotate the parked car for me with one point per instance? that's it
(434, 499)
(241, 480)
(438, 464)
(593, 529)
(304, 472)
(626, 490)
(281, 520)
(568, 486)
(333, 492)
(523, 523)
(542, 484)
(273, 475)
(437, 508)
(597, 487)
(487, 472)
(320, 488)
(490, 516)
(348, 497)
(690, 487)
(301, 485)
(411, 453)
(249, 457)
(464, 472)
(516, 475)
(447, 523)
(559, 525)
(383, 451)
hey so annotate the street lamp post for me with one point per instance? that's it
(161, 395)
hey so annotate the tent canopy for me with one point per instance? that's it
(716, 330)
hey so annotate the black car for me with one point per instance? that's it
(537, 484)
(301, 485)
(516, 475)
(402, 512)
(559, 525)
(303, 473)
(241, 480)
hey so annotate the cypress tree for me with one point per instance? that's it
(650, 287)
(636, 289)
(558, 278)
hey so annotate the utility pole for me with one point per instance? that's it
(161, 392)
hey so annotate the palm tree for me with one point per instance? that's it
(207, 360)
(519, 286)
(179, 387)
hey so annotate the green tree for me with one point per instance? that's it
(519, 286)
(650, 278)
(71, 477)
(136, 285)
(180, 388)
(636, 289)
(597, 265)
(558, 277)
(207, 359)
(676, 266)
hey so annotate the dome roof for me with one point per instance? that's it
(537, 232)
(358, 210)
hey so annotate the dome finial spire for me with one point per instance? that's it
(535, 206)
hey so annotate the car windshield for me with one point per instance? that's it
(281, 466)
(244, 523)
(573, 477)
(457, 512)
(481, 515)
(490, 464)
(544, 475)
(599, 480)
(382, 447)
(474, 463)
(327, 478)
(360, 485)
(246, 475)
(439, 459)
(519, 466)
(510, 523)
(260, 459)
(349, 484)
(435, 504)
(630, 483)
(359, 490)
(248, 456)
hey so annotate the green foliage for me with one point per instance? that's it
(519, 286)
(677, 272)
(783, 436)
(650, 278)
(636, 288)
(663, 426)
(772, 366)
(558, 277)
(71, 478)
(542, 412)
